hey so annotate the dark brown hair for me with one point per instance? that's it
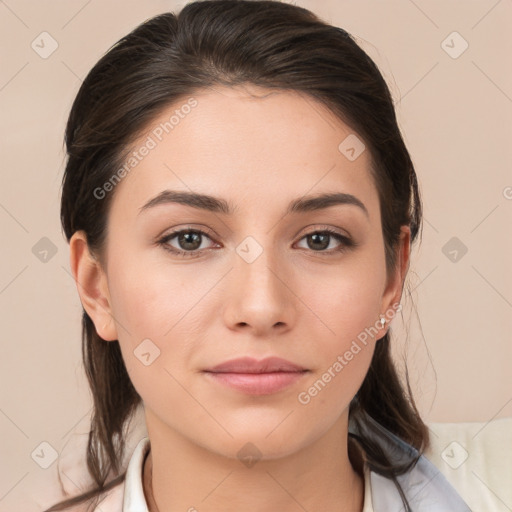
(171, 56)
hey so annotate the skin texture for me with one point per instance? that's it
(259, 150)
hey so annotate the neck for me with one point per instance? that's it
(320, 477)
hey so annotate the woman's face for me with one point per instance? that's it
(255, 280)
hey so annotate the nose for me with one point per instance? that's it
(260, 297)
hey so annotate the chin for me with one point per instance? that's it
(252, 444)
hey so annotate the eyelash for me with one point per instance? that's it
(346, 243)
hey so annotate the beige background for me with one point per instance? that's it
(455, 114)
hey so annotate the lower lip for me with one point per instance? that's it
(258, 383)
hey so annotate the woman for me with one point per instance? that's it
(240, 207)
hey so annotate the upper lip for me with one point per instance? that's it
(251, 365)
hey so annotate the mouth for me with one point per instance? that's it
(255, 377)
(251, 365)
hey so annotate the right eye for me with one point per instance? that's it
(189, 242)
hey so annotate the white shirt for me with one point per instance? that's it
(425, 487)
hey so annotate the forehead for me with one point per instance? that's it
(249, 140)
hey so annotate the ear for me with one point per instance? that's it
(394, 287)
(92, 286)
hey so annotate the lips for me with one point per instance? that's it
(248, 365)
(253, 377)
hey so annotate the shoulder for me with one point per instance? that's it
(423, 485)
(129, 493)
(109, 501)
(468, 466)
(112, 500)
(476, 458)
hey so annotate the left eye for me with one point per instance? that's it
(190, 241)
(321, 239)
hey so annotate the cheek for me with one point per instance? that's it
(147, 297)
(348, 301)
(158, 312)
(344, 344)
(345, 307)
(346, 334)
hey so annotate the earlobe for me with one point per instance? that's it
(92, 286)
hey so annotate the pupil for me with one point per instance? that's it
(316, 236)
(185, 239)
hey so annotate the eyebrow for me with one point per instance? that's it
(218, 205)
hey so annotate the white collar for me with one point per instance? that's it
(133, 498)
(425, 486)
